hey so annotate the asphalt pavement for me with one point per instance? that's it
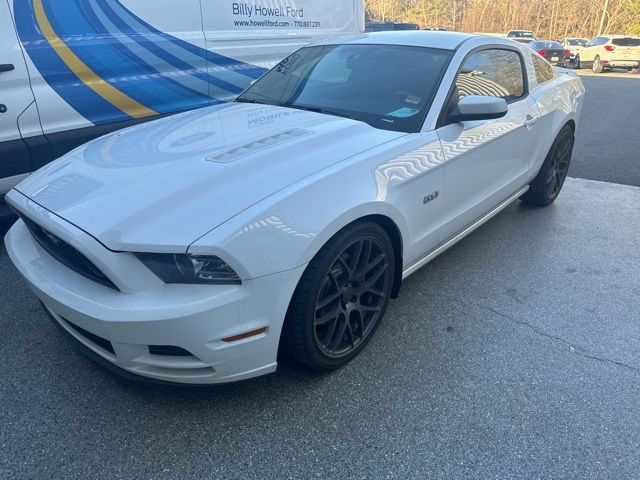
(608, 140)
(512, 355)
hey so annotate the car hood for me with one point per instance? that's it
(161, 185)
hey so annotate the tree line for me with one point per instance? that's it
(547, 18)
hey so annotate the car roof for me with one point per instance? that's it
(412, 38)
(617, 35)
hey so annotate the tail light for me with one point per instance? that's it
(567, 53)
(542, 53)
(609, 48)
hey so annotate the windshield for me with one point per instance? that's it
(626, 42)
(577, 42)
(387, 86)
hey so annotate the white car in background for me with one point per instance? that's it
(193, 248)
(610, 51)
(574, 45)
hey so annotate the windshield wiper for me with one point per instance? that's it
(253, 100)
(314, 109)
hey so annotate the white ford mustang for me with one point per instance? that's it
(193, 248)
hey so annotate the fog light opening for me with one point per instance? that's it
(242, 336)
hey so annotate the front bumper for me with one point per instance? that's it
(120, 327)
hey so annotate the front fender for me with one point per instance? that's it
(288, 228)
(286, 234)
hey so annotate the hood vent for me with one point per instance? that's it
(235, 153)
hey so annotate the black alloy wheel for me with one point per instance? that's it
(559, 166)
(341, 297)
(352, 297)
(546, 187)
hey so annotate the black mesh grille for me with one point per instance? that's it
(67, 255)
(169, 350)
(92, 337)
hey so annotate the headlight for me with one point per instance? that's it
(188, 268)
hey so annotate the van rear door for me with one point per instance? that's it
(16, 105)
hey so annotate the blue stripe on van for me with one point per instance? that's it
(54, 71)
(105, 52)
(116, 64)
(246, 69)
(142, 30)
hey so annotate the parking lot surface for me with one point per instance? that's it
(608, 141)
(512, 355)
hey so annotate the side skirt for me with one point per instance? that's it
(414, 267)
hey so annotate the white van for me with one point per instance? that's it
(74, 70)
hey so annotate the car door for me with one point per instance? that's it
(488, 160)
(589, 52)
(16, 104)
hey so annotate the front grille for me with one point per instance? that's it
(169, 351)
(67, 255)
(92, 337)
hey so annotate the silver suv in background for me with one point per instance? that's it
(610, 51)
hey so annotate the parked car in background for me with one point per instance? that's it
(610, 51)
(551, 51)
(389, 26)
(74, 70)
(193, 248)
(574, 45)
(515, 34)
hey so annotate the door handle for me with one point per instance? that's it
(530, 122)
(6, 67)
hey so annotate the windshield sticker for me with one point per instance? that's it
(413, 100)
(403, 112)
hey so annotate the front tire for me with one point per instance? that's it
(341, 297)
(576, 63)
(546, 187)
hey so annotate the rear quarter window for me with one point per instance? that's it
(626, 42)
(544, 71)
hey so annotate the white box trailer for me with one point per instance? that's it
(71, 71)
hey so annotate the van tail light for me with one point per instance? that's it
(542, 53)
(567, 54)
(609, 48)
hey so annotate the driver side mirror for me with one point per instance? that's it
(478, 107)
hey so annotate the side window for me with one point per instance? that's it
(544, 72)
(492, 72)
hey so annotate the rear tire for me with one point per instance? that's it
(341, 298)
(597, 66)
(576, 63)
(546, 187)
